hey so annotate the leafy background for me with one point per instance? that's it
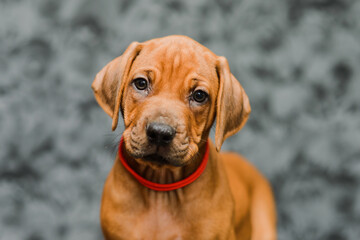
(297, 59)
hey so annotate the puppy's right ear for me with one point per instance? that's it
(109, 83)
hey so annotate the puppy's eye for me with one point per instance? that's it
(200, 96)
(140, 83)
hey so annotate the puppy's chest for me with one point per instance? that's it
(157, 223)
(163, 223)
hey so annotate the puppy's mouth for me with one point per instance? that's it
(156, 159)
(175, 154)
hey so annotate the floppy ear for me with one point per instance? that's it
(232, 104)
(109, 83)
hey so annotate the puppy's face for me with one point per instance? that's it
(169, 91)
(168, 102)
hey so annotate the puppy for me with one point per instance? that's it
(169, 180)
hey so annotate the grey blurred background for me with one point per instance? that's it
(298, 61)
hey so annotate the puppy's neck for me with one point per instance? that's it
(145, 197)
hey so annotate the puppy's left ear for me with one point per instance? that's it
(109, 83)
(232, 104)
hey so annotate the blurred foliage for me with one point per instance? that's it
(298, 61)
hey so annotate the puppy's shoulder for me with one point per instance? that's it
(235, 160)
(238, 166)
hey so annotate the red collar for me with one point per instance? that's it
(170, 186)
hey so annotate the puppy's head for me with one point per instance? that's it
(169, 91)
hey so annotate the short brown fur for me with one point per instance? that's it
(231, 199)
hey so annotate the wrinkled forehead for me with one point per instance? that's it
(177, 58)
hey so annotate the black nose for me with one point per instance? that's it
(160, 133)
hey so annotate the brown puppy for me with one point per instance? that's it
(169, 91)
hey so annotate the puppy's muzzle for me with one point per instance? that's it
(160, 134)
